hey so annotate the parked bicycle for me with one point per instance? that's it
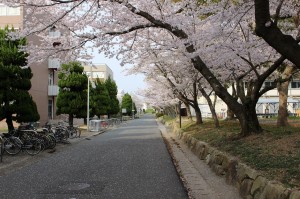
(1, 148)
(48, 140)
(16, 141)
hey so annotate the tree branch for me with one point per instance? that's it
(134, 28)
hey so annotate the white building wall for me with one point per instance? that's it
(221, 107)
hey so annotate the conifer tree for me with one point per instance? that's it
(100, 100)
(16, 104)
(127, 104)
(112, 91)
(72, 96)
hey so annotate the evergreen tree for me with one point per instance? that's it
(127, 104)
(16, 103)
(72, 96)
(100, 100)
(112, 91)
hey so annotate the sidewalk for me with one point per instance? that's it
(200, 181)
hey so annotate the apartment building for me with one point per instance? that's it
(44, 81)
(268, 103)
(101, 71)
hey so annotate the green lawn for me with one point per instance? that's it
(275, 152)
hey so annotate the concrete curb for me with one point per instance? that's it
(250, 183)
(199, 181)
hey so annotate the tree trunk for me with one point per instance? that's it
(211, 107)
(71, 117)
(9, 122)
(198, 115)
(177, 109)
(230, 114)
(188, 111)
(248, 120)
(282, 111)
(282, 88)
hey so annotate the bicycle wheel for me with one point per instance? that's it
(72, 132)
(33, 146)
(1, 149)
(52, 141)
(78, 132)
(11, 146)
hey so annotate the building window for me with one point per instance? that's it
(295, 84)
(51, 78)
(9, 11)
(270, 84)
(98, 75)
(50, 109)
(2, 10)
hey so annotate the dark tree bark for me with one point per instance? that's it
(286, 45)
(71, 119)
(9, 123)
(188, 111)
(198, 115)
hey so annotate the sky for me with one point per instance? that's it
(127, 83)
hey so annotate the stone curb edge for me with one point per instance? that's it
(250, 184)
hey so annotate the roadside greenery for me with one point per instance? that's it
(114, 107)
(16, 104)
(150, 110)
(72, 96)
(128, 104)
(100, 99)
(275, 152)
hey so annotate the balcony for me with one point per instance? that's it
(53, 63)
(53, 90)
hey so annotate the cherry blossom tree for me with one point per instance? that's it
(209, 34)
(186, 83)
(156, 95)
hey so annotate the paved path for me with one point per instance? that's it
(127, 162)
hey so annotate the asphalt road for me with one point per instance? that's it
(128, 162)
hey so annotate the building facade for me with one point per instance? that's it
(101, 71)
(44, 87)
(268, 103)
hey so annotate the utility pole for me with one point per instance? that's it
(179, 114)
(132, 109)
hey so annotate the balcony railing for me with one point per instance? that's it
(53, 63)
(53, 90)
